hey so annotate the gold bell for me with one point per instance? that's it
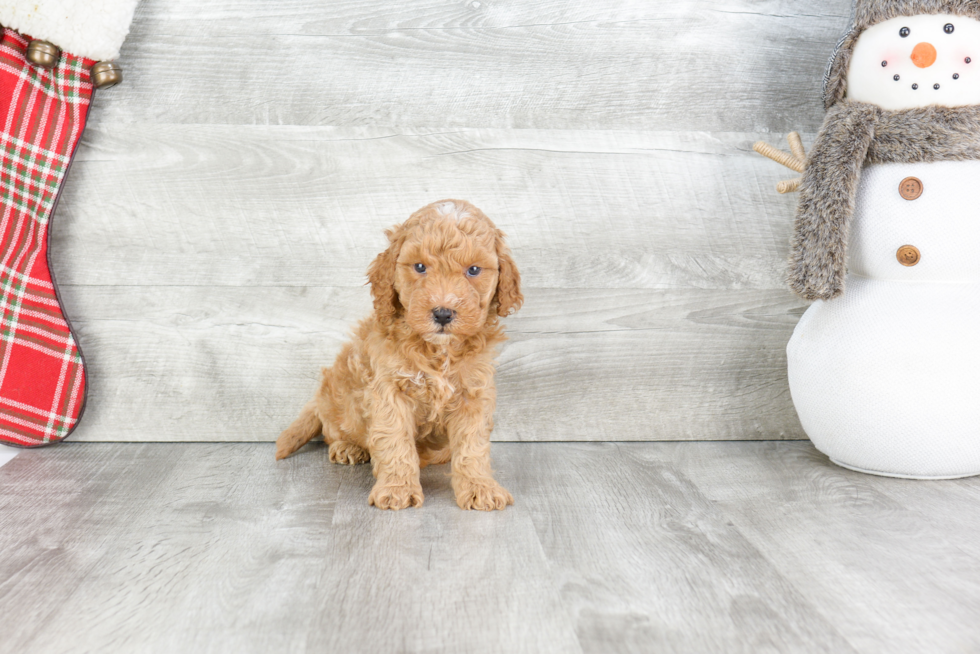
(43, 54)
(106, 74)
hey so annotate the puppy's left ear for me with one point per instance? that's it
(509, 298)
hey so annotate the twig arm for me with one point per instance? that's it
(790, 161)
(796, 145)
(795, 161)
(792, 186)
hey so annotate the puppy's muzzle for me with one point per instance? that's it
(443, 316)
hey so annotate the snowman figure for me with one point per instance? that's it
(884, 367)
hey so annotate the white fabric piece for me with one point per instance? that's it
(943, 223)
(7, 453)
(887, 377)
(94, 29)
(869, 81)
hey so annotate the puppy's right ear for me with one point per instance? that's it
(381, 276)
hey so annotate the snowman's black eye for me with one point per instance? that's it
(915, 87)
(935, 86)
(949, 28)
(904, 32)
(897, 77)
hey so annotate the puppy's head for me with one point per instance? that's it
(447, 273)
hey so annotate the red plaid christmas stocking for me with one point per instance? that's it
(42, 115)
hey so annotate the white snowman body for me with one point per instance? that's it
(886, 378)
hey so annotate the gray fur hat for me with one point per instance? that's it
(866, 13)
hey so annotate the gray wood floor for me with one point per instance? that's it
(213, 235)
(659, 547)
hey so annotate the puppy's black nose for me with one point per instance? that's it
(442, 315)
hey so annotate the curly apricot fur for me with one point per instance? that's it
(407, 392)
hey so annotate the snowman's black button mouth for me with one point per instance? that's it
(915, 87)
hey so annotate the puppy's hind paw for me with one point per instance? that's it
(397, 496)
(482, 496)
(347, 453)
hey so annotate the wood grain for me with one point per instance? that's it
(876, 556)
(648, 562)
(740, 65)
(58, 512)
(212, 238)
(227, 363)
(487, 571)
(610, 547)
(193, 542)
(294, 206)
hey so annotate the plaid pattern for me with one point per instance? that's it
(42, 114)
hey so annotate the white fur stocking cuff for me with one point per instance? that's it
(86, 28)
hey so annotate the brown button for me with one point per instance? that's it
(910, 188)
(43, 54)
(909, 255)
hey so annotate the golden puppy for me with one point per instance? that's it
(415, 386)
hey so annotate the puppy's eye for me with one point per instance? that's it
(473, 271)
(420, 268)
(904, 32)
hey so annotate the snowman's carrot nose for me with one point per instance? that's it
(924, 55)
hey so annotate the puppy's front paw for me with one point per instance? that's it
(347, 453)
(482, 495)
(395, 496)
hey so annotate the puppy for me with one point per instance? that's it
(415, 386)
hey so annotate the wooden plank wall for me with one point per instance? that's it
(213, 235)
